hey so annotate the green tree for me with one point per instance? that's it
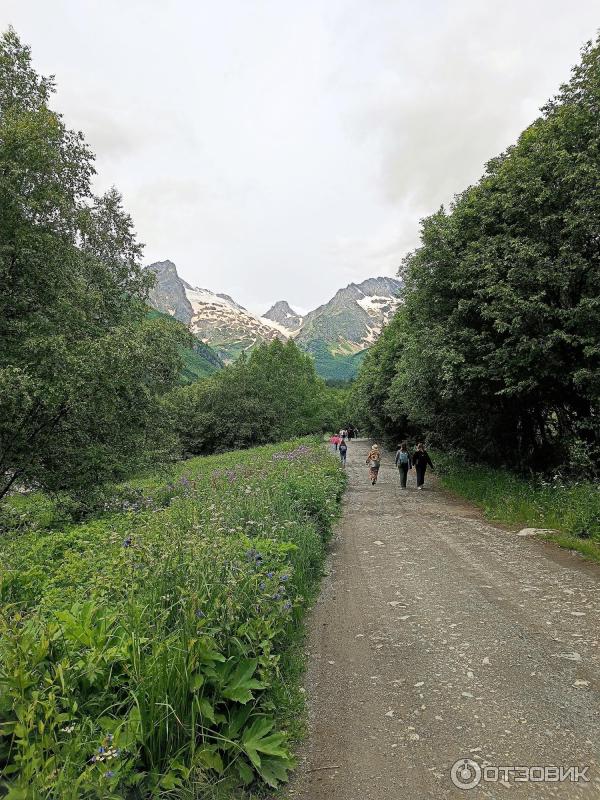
(369, 401)
(81, 371)
(270, 395)
(501, 345)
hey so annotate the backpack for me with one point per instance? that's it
(343, 447)
(402, 457)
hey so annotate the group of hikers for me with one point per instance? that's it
(420, 459)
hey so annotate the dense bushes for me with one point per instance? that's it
(497, 347)
(270, 395)
(139, 650)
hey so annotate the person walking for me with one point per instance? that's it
(421, 461)
(403, 462)
(374, 462)
(343, 452)
(335, 440)
(350, 430)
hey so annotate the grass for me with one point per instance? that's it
(573, 511)
(155, 648)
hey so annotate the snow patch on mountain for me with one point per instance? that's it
(276, 326)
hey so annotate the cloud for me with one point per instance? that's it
(452, 95)
(281, 150)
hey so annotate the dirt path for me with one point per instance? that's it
(439, 637)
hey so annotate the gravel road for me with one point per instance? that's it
(440, 637)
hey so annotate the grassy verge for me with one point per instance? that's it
(572, 510)
(153, 650)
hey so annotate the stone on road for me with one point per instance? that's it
(439, 637)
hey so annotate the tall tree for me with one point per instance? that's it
(73, 333)
(502, 303)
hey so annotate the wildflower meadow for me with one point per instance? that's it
(143, 650)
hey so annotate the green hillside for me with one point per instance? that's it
(199, 360)
(334, 367)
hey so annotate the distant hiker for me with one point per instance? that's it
(343, 434)
(403, 462)
(343, 452)
(350, 431)
(374, 462)
(335, 440)
(421, 461)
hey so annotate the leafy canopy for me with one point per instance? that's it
(81, 369)
(497, 348)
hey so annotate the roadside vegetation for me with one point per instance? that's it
(90, 380)
(143, 652)
(570, 509)
(150, 606)
(495, 352)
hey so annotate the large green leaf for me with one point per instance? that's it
(239, 683)
(258, 739)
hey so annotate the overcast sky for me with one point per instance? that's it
(277, 149)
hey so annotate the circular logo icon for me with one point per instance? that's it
(465, 773)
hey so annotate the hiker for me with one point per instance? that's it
(350, 431)
(403, 462)
(374, 462)
(343, 452)
(335, 440)
(421, 460)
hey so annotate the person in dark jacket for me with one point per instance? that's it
(343, 452)
(421, 461)
(403, 462)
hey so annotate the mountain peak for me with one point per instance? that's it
(168, 293)
(284, 315)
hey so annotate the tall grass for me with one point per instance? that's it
(143, 652)
(571, 510)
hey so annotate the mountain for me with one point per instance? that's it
(352, 320)
(284, 316)
(216, 319)
(336, 334)
(168, 294)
